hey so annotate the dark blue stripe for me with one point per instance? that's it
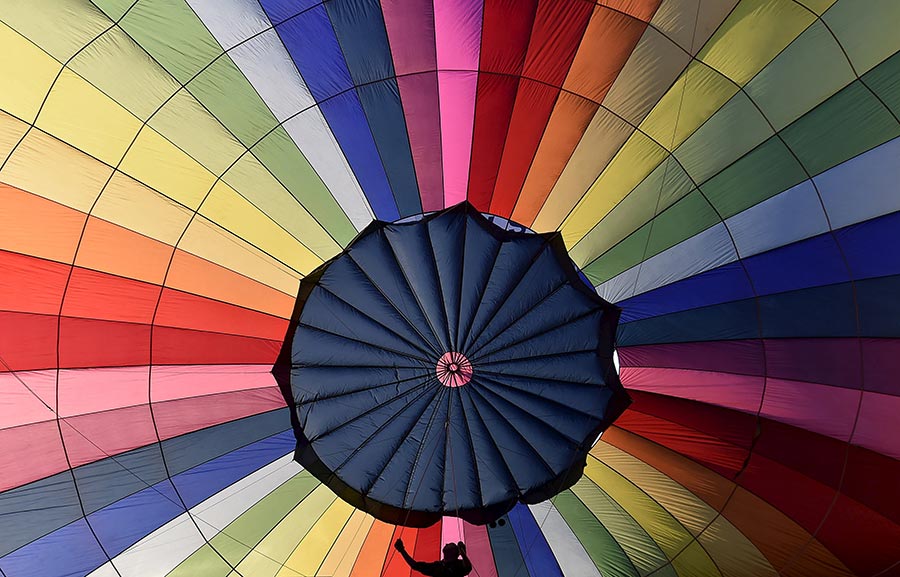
(539, 558)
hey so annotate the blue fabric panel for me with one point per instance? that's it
(724, 284)
(280, 10)
(449, 234)
(35, 509)
(384, 111)
(812, 262)
(309, 39)
(507, 554)
(723, 322)
(872, 248)
(69, 552)
(879, 306)
(108, 480)
(124, 523)
(815, 312)
(539, 558)
(359, 27)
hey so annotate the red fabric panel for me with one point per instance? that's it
(30, 452)
(506, 31)
(29, 284)
(534, 103)
(93, 343)
(558, 28)
(394, 564)
(873, 479)
(184, 347)
(816, 456)
(27, 341)
(428, 543)
(97, 295)
(95, 436)
(864, 540)
(716, 454)
(184, 310)
(175, 418)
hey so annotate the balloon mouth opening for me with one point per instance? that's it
(453, 369)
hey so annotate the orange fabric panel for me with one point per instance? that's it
(33, 225)
(374, 551)
(569, 120)
(31, 285)
(120, 251)
(641, 9)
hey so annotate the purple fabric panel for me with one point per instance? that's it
(740, 357)
(881, 365)
(410, 29)
(419, 94)
(878, 427)
(827, 361)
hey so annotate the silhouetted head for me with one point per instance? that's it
(451, 551)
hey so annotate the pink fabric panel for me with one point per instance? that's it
(478, 547)
(410, 30)
(822, 409)
(878, 427)
(21, 406)
(740, 392)
(451, 530)
(94, 390)
(175, 418)
(180, 382)
(21, 444)
(458, 40)
(457, 96)
(96, 436)
(419, 94)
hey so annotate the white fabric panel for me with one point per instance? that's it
(709, 249)
(269, 68)
(161, 551)
(231, 21)
(619, 287)
(863, 187)
(310, 130)
(788, 217)
(568, 550)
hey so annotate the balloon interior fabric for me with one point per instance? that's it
(447, 366)
(725, 172)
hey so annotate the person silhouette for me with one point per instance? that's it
(454, 564)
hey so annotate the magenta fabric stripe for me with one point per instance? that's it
(410, 29)
(878, 427)
(739, 392)
(458, 41)
(478, 546)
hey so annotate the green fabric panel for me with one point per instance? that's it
(114, 9)
(204, 562)
(279, 154)
(602, 548)
(731, 132)
(766, 171)
(619, 258)
(665, 185)
(847, 124)
(687, 217)
(642, 550)
(245, 532)
(170, 32)
(810, 70)
(867, 30)
(884, 80)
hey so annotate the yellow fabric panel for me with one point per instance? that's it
(753, 35)
(230, 210)
(266, 192)
(637, 158)
(161, 165)
(311, 551)
(604, 136)
(340, 560)
(207, 240)
(47, 167)
(61, 27)
(665, 530)
(27, 73)
(11, 131)
(728, 547)
(267, 558)
(130, 204)
(84, 117)
(697, 94)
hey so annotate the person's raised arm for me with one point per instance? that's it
(416, 565)
(467, 565)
